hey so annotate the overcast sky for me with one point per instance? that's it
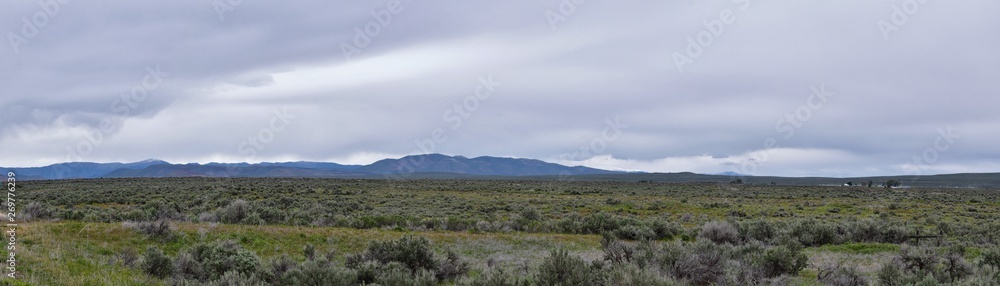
(794, 88)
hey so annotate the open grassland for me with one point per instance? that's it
(195, 231)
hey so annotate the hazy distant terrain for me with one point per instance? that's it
(456, 167)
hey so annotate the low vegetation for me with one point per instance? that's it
(431, 232)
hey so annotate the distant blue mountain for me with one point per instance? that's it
(732, 174)
(490, 166)
(436, 164)
(75, 170)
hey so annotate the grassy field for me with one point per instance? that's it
(195, 231)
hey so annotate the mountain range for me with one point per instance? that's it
(414, 165)
(438, 166)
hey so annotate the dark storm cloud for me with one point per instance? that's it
(356, 81)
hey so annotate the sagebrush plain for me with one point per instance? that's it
(210, 231)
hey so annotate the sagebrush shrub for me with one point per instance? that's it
(236, 278)
(720, 232)
(495, 277)
(990, 257)
(235, 212)
(635, 232)
(397, 274)
(811, 232)
(780, 260)
(34, 210)
(561, 268)
(221, 257)
(186, 267)
(412, 251)
(452, 267)
(160, 229)
(842, 275)
(758, 230)
(702, 264)
(157, 264)
(280, 266)
(320, 272)
(127, 257)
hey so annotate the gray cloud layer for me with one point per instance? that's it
(269, 81)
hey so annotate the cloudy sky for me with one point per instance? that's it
(795, 88)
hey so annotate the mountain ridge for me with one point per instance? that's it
(438, 166)
(407, 165)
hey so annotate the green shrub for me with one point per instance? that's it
(186, 267)
(367, 271)
(127, 257)
(412, 251)
(891, 274)
(702, 265)
(495, 277)
(281, 266)
(598, 223)
(33, 211)
(235, 212)
(321, 272)
(780, 260)
(560, 268)
(811, 232)
(664, 230)
(452, 267)
(616, 251)
(955, 267)
(758, 229)
(160, 229)
(157, 264)
(990, 257)
(918, 259)
(719, 232)
(397, 274)
(236, 278)
(635, 232)
(842, 275)
(309, 251)
(632, 275)
(221, 257)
